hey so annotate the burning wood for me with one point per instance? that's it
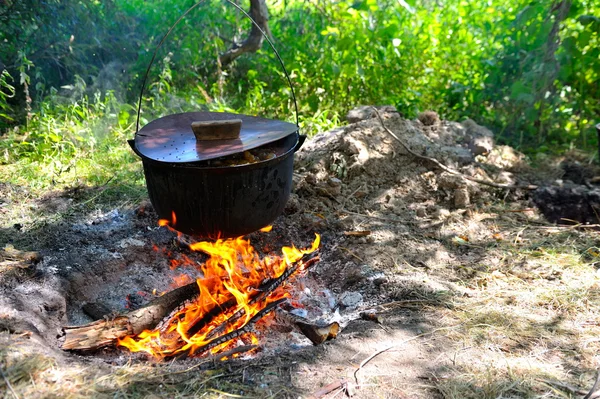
(246, 328)
(265, 290)
(237, 290)
(106, 332)
(315, 331)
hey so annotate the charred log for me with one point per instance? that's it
(106, 332)
(266, 289)
(245, 329)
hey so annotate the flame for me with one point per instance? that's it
(169, 223)
(266, 229)
(232, 274)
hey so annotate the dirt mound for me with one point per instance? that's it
(361, 168)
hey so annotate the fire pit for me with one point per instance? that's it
(215, 313)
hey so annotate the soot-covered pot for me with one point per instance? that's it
(191, 183)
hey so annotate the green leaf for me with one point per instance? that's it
(588, 19)
(521, 93)
(584, 38)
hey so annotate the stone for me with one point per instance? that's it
(334, 182)
(505, 157)
(450, 181)
(458, 154)
(461, 197)
(366, 112)
(351, 299)
(481, 145)
(442, 213)
(131, 242)
(475, 130)
(429, 118)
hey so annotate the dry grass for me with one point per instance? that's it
(531, 316)
(34, 375)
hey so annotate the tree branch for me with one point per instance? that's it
(260, 14)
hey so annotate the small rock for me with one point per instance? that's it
(442, 213)
(366, 112)
(458, 154)
(450, 181)
(429, 118)
(351, 299)
(359, 114)
(421, 212)
(481, 145)
(310, 178)
(505, 177)
(505, 157)
(334, 182)
(476, 130)
(129, 242)
(461, 197)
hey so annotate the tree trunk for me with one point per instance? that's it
(260, 13)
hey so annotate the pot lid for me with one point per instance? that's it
(171, 138)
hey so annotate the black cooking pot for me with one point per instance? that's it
(201, 199)
(222, 201)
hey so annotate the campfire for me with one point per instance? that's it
(218, 313)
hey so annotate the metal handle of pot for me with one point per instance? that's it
(137, 124)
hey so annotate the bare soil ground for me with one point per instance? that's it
(476, 295)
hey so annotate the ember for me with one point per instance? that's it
(238, 288)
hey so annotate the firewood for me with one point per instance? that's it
(246, 328)
(106, 332)
(264, 291)
(316, 332)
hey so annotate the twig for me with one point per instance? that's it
(595, 390)
(352, 253)
(379, 352)
(8, 383)
(450, 170)
(265, 291)
(367, 360)
(229, 395)
(342, 384)
(567, 387)
(246, 328)
(343, 204)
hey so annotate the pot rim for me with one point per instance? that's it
(249, 166)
